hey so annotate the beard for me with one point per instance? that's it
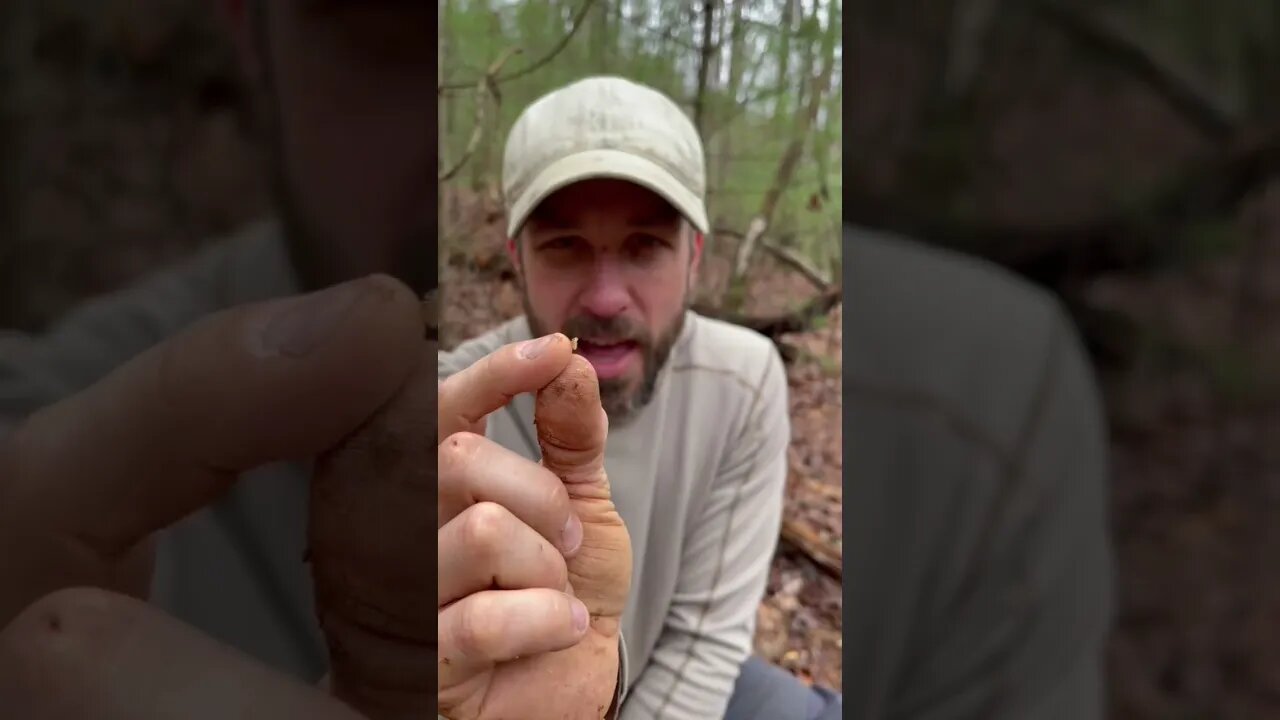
(622, 398)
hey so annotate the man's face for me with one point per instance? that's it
(347, 98)
(610, 263)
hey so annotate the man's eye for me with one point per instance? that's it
(560, 243)
(646, 243)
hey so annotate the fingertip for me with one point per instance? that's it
(553, 347)
(391, 300)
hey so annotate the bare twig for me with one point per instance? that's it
(775, 326)
(755, 231)
(1186, 94)
(809, 543)
(789, 257)
(668, 33)
(704, 65)
(786, 169)
(578, 19)
(792, 258)
(486, 87)
(806, 119)
(741, 108)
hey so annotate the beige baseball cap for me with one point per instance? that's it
(603, 127)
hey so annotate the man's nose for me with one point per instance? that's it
(607, 295)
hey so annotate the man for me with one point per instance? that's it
(604, 182)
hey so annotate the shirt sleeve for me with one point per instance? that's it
(1026, 639)
(619, 690)
(710, 626)
(98, 336)
(452, 362)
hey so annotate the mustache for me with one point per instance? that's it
(610, 330)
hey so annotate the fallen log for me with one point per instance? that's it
(777, 325)
(810, 544)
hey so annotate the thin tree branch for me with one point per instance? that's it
(745, 106)
(1187, 95)
(704, 65)
(788, 257)
(775, 326)
(486, 87)
(785, 172)
(810, 544)
(664, 33)
(797, 262)
(578, 19)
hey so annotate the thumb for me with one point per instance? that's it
(572, 428)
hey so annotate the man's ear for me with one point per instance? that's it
(695, 259)
(513, 254)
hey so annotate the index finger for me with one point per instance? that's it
(488, 384)
(169, 432)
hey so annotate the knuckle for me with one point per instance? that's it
(487, 524)
(459, 450)
(557, 571)
(479, 627)
(66, 630)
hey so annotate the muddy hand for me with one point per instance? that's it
(512, 532)
(572, 427)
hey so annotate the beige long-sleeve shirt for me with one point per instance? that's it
(698, 476)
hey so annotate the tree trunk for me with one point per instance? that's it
(600, 46)
(784, 53)
(787, 165)
(704, 64)
(449, 118)
(480, 164)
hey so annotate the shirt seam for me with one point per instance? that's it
(756, 422)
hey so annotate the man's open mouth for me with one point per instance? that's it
(609, 358)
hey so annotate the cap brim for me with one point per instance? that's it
(613, 164)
